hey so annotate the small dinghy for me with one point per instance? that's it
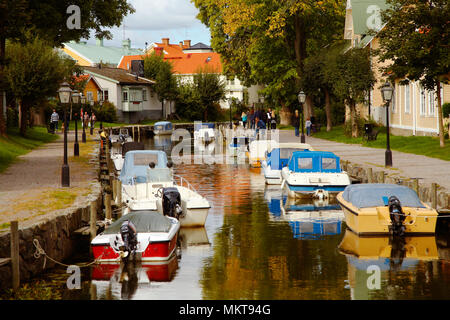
(163, 128)
(147, 235)
(377, 209)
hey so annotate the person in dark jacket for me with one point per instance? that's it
(296, 123)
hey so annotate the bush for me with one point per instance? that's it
(446, 110)
(360, 122)
(105, 112)
(12, 118)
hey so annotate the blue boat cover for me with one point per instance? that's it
(198, 126)
(163, 125)
(314, 161)
(279, 157)
(137, 162)
(372, 194)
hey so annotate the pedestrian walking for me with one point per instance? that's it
(244, 119)
(308, 124)
(273, 120)
(260, 126)
(269, 118)
(296, 123)
(93, 119)
(86, 119)
(54, 119)
(252, 118)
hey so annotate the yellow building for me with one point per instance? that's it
(413, 110)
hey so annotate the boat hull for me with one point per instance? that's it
(376, 220)
(162, 132)
(310, 191)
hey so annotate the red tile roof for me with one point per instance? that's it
(183, 63)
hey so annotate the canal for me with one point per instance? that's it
(254, 246)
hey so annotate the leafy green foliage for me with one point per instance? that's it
(446, 110)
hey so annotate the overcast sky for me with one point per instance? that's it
(156, 19)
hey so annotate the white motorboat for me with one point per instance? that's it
(204, 132)
(278, 156)
(314, 174)
(163, 128)
(122, 137)
(154, 187)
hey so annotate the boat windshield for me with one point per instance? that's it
(159, 175)
(329, 163)
(124, 132)
(305, 163)
(144, 159)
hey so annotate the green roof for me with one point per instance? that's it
(98, 53)
(366, 15)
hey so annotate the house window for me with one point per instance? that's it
(105, 95)
(136, 95)
(407, 99)
(423, 102)
(89, 96)
(431, 103)
(144, 94)
(99, 96)
(125, 96)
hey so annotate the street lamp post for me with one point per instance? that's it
(387, 92)
(64, 93)
(76, 100)
(301, 99)
(230, 103)
(83, 136)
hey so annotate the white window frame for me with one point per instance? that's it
(431, 103)
(105, 95)
(125, 96)
(407, 99)
(423, 101)
(144, 94)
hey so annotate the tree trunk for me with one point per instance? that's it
(308, 108)
(2, 82)
(440, 116)
(355, 132)
(328, 109)
(285, 115)
(23, 117)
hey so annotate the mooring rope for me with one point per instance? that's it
(41, 252)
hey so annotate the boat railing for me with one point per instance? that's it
(183, 182)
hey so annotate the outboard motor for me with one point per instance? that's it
(397, 216)
(171, 201)
(129, 237)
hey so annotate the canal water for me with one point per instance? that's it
(257, 244)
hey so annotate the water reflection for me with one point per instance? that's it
(386, 267)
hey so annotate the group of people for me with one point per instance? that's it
(87, 121)
(296, 124)
(259, 119)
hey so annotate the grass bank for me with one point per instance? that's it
(15, 145)
(426, 146)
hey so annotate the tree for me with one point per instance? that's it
(34, 73)
(415, 40)
(267, 41)
(352, 78)
(49, 22)
(156, 68)
(209, 89)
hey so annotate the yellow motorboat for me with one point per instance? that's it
(380, 209)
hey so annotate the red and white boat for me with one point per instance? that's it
(156, 238)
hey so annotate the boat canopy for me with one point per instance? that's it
(198, 126)
(289, 145)
(163, 125)
(314, 161)
(278, 156)
(137, 162)
(376, 194)
(143, 220)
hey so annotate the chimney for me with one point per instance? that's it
(158, 51)
(181, 44)
(187, 43)
(99, 42)
(165, 41)
(126, 44)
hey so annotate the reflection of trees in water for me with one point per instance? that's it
(257, 259)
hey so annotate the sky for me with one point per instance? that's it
(156, 19)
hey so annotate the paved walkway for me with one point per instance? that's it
(403, 164)
(31, 187)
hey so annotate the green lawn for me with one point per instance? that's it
(427, 146)
(15, 145)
